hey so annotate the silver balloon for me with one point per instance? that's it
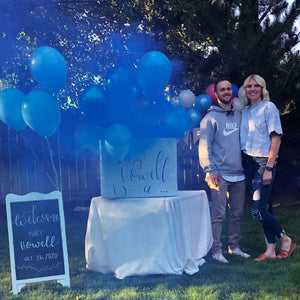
(186, 98)
(237, 104)
(240, 91)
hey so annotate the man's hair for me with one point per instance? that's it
(218, 81)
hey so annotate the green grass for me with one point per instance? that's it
(240, 280)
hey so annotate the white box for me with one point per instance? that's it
(149, 170)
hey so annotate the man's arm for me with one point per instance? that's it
(206, 139)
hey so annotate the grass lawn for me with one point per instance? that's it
(241, 279)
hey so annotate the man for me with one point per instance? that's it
(220, 158)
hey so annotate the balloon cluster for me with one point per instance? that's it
(197, 107)
(38, 109)
(132, 104)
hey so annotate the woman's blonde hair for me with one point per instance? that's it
(261, 82)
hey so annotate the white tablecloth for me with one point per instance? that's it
(139, 236)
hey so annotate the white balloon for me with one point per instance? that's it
(237, 103)
(186, 98)
(240, 91)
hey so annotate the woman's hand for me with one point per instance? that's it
(267, 177)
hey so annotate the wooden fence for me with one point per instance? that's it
(30, 163)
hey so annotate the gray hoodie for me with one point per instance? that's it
(219, 142)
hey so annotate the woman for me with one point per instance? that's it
(260, 141)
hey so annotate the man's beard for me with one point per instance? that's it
(225, 101)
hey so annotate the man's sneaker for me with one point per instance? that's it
(219, 257)
(238, 251)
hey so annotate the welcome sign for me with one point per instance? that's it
(149, 170)
(37, 240)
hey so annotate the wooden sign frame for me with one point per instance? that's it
(37, 239)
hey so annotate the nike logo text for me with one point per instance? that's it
(226, 133)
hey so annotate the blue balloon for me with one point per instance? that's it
(122, 86)
(235, 90)
(175, 122)
(41, 113)
(203, 102)
(10, 108)
(194, 116)
(49, 68)
(118, 142)
(153, 71)
(95, 105)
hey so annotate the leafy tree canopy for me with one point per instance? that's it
(209, 38)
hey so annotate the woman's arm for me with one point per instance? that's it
(274, 149)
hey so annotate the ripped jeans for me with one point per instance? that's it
(262, 205)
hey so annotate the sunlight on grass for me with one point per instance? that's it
(206, 292)
(127, 293)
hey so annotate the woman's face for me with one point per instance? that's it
(253, 91)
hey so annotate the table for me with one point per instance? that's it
(140, 236)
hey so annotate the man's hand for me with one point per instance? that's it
(213, 181)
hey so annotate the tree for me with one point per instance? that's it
(210, 38)
(203, 39)
(235, 38)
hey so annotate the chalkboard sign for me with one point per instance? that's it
(37, 239)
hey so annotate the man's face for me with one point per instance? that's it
(224, 91)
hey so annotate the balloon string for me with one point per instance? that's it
(53, 166)
(37, 159)
(59, 160)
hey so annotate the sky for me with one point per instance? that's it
(297, 24)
